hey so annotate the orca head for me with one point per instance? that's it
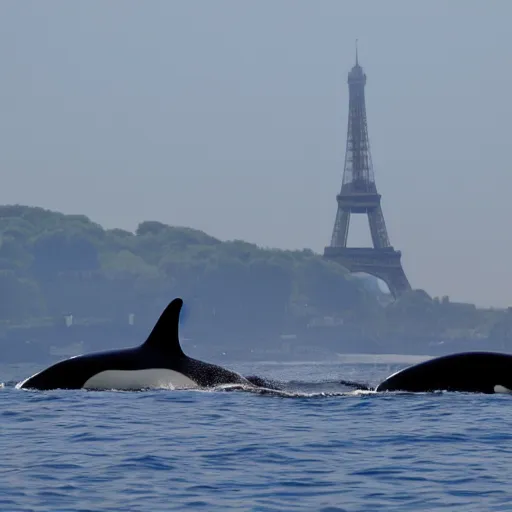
(164, 337)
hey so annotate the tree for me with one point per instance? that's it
(19, 298)
(60, 251)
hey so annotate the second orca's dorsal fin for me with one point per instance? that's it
(164, 336)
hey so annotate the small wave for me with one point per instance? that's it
(333, 382)
(288, 393)
(300, 385)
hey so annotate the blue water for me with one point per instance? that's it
(322, 449)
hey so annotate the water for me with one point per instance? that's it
(323, 449)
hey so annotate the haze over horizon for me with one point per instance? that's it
(231, 117)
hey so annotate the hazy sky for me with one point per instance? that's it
(231, 117)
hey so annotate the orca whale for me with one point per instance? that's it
(472, 372)
(262, 382)
(158, 362)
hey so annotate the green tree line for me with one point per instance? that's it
(53, 264)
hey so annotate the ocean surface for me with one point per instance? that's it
(319, 447)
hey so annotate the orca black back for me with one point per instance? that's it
(473, 372)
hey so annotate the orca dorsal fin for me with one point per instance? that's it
(164, 337)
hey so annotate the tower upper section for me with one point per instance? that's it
(358, 174)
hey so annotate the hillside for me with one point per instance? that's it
(53, 264)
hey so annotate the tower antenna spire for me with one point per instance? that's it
(357, 58)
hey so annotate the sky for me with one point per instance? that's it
(230, 116)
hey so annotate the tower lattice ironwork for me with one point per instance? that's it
(359, 196)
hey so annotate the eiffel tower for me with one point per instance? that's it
(359, 196)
